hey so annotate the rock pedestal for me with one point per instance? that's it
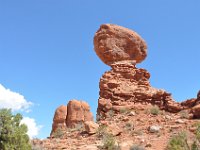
(125, 85)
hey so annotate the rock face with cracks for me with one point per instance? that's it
(125, 85)
(76, 112)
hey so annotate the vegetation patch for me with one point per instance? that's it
(184, 114)
(13, 134)
(155, 110)
(180, 142)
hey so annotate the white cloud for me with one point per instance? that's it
(13, 100)
(33, 128)
(17, 102)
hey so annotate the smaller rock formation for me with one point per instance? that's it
(76, 112)
(59, 120)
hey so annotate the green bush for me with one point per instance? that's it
(179, 142)
(58, 133)
(102, 130)
(197, 132)
(194, 146)
(109, 142)
(184, 114)
(13, 135)
(155, 110)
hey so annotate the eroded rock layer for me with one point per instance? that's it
(124, 85)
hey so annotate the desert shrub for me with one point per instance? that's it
(102, 130)
(109, 142)
(59, 133)
(195, 146)
(124, 110)
(197, 132)
(13, 134)
(136, 147)
(178, 142)
(184, 114)
(181, 141)
(129, 126)
(155, 110)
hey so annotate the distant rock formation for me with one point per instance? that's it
(124, 85)
(69, 116)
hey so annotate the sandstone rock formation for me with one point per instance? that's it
(59, 120)
(114, 43)
(76, 112)
(125, 84)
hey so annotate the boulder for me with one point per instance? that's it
(113, 43)
(154, 129)
(91, 127)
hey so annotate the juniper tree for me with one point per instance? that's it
(13, 134)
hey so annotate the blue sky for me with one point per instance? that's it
(47, 56)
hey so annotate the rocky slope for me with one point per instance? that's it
(139, 126)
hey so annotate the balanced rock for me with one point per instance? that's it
(125, 84)
(76, 112)
(114, 43)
